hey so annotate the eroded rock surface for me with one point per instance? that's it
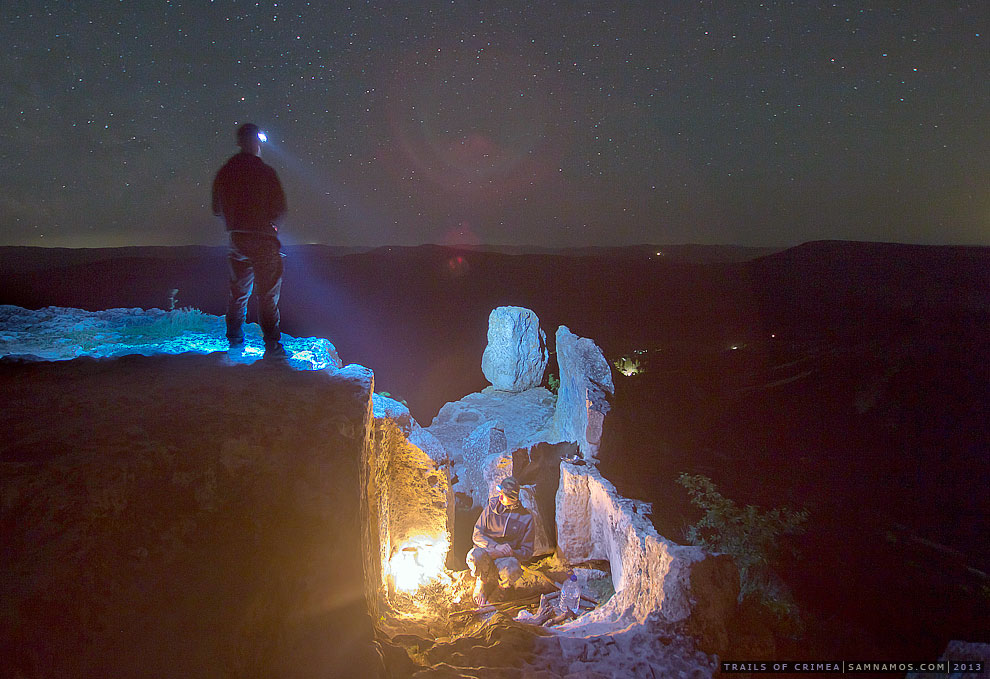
(585, 392)
(653, 577)
(58, 333)
(485, 428)
(207, 524)
(516, 355)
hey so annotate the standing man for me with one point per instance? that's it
(503, 537)
(249, 197)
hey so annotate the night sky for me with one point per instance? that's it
(512, 122)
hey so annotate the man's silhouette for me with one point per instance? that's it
(249, 197)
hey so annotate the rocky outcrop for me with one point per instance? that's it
(516, 355)
(57, 333)
(482, 428)
(220, 501)
(682, 585)
(585, 392)
(409, 502)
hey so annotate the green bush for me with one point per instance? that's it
(751, 537)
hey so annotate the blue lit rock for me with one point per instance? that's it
(59, 333)
(586, 389)
(516, 355)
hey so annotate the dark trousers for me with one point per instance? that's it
(255, 264)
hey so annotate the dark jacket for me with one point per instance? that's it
(498, 525)
(249, 196)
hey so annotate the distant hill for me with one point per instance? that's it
(16, 259)
(685, 252)
(417, 315)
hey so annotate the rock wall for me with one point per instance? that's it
(180, 516)
(407, 494)
(653, 577)
(482, 429)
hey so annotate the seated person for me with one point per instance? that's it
(503, 537)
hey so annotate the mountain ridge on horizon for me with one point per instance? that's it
(24, 258)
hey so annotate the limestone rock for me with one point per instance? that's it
(525, 417)
(60, 333)
(408, 496)
(383, 407)
(483, 447)
(462, 426)
(683, 585)
(494, 468)
(516, 355)
(429, 444)
(586, 389)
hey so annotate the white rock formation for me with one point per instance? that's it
(465, 429)
(516, 355)
(653, 577)
(484, 448)
(585, 390)
(525, 417)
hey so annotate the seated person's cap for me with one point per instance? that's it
(510, 487)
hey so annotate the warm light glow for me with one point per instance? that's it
(629, 366)
(418, 562)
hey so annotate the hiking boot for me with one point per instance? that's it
(275, 350)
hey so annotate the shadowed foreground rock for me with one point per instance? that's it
(175, 516)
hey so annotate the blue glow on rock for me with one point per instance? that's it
(56, 334)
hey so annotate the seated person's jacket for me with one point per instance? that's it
(500, 525)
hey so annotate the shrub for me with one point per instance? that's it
(751, 537)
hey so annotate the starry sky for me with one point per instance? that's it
(529, 122)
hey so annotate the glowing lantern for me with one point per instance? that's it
(418, 562)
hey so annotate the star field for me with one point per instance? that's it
(542, 123)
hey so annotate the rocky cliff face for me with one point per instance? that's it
(182, 516)
(211, 513)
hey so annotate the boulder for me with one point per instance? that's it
(383, 407)
(516, 355)
(494, 468)
(523, 419)
(585, 392)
